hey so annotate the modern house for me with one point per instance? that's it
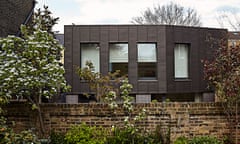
(161, 61)
(13, 13)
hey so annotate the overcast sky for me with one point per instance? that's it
(122, 11)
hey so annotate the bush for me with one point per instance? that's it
(83, 134)
(57, 138)
(181, 140)
(127, 136)
(161, 135)
(205, 140)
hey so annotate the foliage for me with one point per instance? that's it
(7, 136)
(223, 74)
(83, 134)
(205, 140)
(108, 88)
(100, 84)
(181, 140)
(172, 14)
(43, 20)
(127, 136)
(198, 140)
(30, 66)
(27, 70)
(161, 135)
(57, 138)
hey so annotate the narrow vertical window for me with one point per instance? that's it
(181, 60)
(147, 61)
(90, 52)
(118, 58)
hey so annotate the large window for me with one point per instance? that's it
(118, 58)
(181, 60)
(147, 61)
(90, 52)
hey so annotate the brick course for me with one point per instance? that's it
(185, 119)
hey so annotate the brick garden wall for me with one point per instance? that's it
(185, 119)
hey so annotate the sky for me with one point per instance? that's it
(122, 11)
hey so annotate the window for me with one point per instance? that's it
(118, 58)
(90, 52)
(181, 60)
(147, 61)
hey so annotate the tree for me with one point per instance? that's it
(223, 75)
(229, 19)
(98, 83)
(170, 14)
(29, 67)
(43, 19)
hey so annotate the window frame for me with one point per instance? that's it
(155, 62)
(109, 63)
(98, 46)
(188, 63)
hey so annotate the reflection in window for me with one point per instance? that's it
(90, 52)
(147, 61)
(181, 60)
(118, 58)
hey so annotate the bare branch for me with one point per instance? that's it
(171, 14)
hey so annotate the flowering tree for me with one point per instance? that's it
(223, 74)
(109, 89)
(29, 66)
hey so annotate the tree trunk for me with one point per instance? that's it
(42, 128)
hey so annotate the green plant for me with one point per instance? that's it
(205, 140)
(57, 138)
(30, 65)
(127, 136)
(161, 135)
(83, 134)
(181, 140)
(154, 101)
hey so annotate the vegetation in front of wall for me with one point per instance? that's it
(30, 65)
(83, 134)
(199, 140)
(8, 136)
(223, 75)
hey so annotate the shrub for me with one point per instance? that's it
(181, 140)
(205, 140)
(161, 135)
(57, 138)
(83, 134)
(127, 136)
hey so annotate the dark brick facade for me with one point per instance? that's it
(13, 13)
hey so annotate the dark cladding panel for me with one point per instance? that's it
(84, 33)
(94, 33)
(68, 53)
(152, 33)
(148, 87)
(104, 33)
(142, 33)
(161, 58)
(166, 37)
(76, 57)
(132, 50)
(113, 33)
(123, 33)
(104, 49)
